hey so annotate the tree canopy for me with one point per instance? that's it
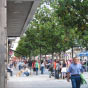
(57, 26)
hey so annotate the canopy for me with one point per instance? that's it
(85, 53)
(19, 15)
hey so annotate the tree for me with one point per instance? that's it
(20, 50)
(46, 33)
(73, 14)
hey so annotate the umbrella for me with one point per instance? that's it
(85, 53)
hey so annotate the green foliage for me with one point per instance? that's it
(20, 50)
(45, 32)
(57, 28)
(73, 14)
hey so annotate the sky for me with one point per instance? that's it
(15, 43)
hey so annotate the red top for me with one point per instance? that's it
(54, 65)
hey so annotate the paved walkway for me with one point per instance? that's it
(37, 82)
(40, 81)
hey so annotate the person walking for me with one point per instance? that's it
(64, 70)
(33, 66)
(55, 73)
(10, 69)
(51, 70)
(30, 65)
(42, 67)
(74, 71)
(36, 67)
(57, 69)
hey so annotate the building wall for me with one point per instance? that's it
(3, 43)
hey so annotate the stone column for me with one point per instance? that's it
(3, 42)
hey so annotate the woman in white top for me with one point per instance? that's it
(42, 67)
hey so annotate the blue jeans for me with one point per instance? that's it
(20, 67)
(36, 71)
(26, 73)
(42, 70)
(75, 81)
(11, 73)
(56, 74)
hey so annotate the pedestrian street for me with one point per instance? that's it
(40, 81)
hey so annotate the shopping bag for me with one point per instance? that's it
(83, 81)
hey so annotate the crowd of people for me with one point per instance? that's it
(25, 68)
(56, 68)
(59, 69)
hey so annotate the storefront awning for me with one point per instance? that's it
(19, 15)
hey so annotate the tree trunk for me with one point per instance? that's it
(52, 51)
(40, 53)
(52, 55)
(59, 56)
(86, 48)
(29, 56)
(45, 56)
(72, 51)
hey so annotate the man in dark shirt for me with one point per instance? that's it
(30, 64)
